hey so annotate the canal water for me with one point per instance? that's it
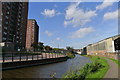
(48, 70)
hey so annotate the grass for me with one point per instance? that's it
(102, 71)
(97, 69)
(70, 55)
(116, 61)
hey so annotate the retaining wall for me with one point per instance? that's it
(20, 64)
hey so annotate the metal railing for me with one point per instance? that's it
(26, 56)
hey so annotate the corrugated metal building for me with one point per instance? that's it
(108, 45)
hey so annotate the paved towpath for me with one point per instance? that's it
(113, 70)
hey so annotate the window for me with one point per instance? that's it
(6, 22)
(6, 17)
(8, 12)
(5, 27)
(18, 24)
(4, 38)
(1, 13)
(17, 37)
(4, 33)
(8, 7)
(33, 23)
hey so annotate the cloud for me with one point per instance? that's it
(77, 17)
(48, 33)
(105, 4)
(82, 32)
(49, 13)
(58, 38)
(111, 15)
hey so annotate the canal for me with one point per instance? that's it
(46, 71)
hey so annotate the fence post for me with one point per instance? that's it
(3, 54)
(37, 55)
(49, 55)
(32, 56)
(55, 55)
(26, 56)
(52, 54)
(12, 57)
(45, 55)
(41, 55)
(20, 56)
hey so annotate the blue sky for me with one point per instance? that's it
(74, 24)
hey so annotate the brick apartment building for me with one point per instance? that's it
(14, 24)
(32, 33)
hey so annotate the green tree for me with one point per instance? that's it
(35, 46)
(40, 46)
(48, 48)
(69, 48)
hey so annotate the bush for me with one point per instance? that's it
(89, 68)
(70, 55)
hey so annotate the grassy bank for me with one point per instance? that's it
(70, 55)
(100, 73)
(97, 69)
(116, 61)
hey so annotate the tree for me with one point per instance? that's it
(40, 46)
(48, 48)
(35, 46)
(70, 49)
(70, 52)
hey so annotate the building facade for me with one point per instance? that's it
(109, 46)
(14, 23)
(32, 33)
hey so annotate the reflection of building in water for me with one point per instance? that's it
(108, 45)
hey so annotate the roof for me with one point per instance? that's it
(105, 39)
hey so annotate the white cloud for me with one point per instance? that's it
(49, 13)
(77, 17)
(58, 38)
(105, 4)
(48, 33)
(82, 32)
(111, 15)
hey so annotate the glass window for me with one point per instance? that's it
(6, 17)
(4, 38)
(6, 22)
(8, 12)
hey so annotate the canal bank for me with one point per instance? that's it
(22, 64)
(45, 71)
(95, 70)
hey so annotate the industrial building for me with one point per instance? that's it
(108, 46)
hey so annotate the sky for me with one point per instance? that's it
(74, 24)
